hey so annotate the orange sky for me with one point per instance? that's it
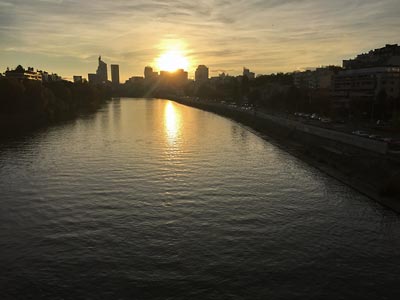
(66, 36)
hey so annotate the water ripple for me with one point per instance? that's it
(148, 199)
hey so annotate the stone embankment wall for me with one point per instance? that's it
(359, 162)
(339, 137)
(336, 136)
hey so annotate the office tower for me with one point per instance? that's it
(148, 72)
(101, 72)
(115, 74)
(201, 74)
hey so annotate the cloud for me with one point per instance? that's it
(52, 1)
(265, 35)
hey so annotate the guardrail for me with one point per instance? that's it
(345, 138)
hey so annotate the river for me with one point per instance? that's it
(149, 199)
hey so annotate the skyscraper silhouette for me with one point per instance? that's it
(148, 72)
(101, 72)
(115, 74)
(201, 74)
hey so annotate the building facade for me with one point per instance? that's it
(102, 74)
(115, 74)
(135, 79)
(177, 78)
(92, 78)
(388, 56)
(367, 91)
(320, 78)
(367, 83)
(201, 74)
(149, 73)
(21, 73)
(77, 79)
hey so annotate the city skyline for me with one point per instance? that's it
(265, 36)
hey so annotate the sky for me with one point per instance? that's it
(267, 36)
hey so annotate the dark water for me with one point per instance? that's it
(148, 199)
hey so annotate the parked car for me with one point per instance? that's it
(381, 123)
(361, 133)
(386, 139)
(325, 120)
(375, 137)
(314, 117)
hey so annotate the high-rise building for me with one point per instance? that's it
(201, 74)
(102, 75)
(115, 74)
(149, 74)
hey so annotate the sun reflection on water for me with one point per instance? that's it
(172, 123)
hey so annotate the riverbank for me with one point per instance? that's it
(29, 104)
(22, 123)
(365, 168)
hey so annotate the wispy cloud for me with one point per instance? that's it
(265, 35)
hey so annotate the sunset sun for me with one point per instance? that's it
(172, 61)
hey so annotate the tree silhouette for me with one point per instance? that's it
(19, 69)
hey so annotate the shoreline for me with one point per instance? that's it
(30, 104)
(303, 152)
(23, 123)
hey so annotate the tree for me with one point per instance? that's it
(19, 69)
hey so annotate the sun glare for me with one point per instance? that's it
(172, 120)
(172, 61)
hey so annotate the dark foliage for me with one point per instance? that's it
(50, 101)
